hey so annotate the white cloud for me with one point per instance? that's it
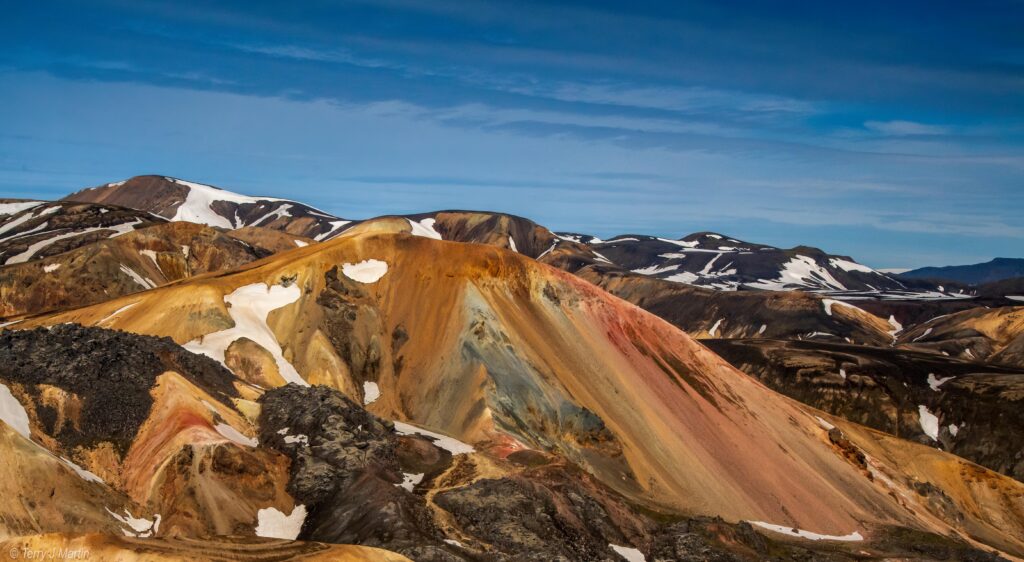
(905, 128)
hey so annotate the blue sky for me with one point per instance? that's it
(892, 132)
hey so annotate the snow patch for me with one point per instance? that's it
(81, 472)
(233, 434)
(13, 413)
(714, 328)
(371, 392)
(935, 382)
(512, 244)
(249, 307)
(274, 524)
(847, 265)
(424, 228)
(300, 438)
(630, 554)
(335, 225)
(116, 312)
(142, 528)
(450, 444)
(50, 268)
(762, 329)
(922, 336)
(929, 422)
(300, 243)
(12, 208)
(409, 480)
(144, 282)
(366, 271)
(800, 533)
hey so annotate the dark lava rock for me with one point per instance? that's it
(110, 371)
(344, 470)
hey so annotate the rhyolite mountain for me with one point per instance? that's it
(975, 274)
(454, 401)
(179, 200)
(465, 385)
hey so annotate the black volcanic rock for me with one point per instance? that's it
(111, 372)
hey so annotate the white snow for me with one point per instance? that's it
(842, 373)
(197, 206)
(714, 328)
(800, 533)
(335, 225)
(896, 326)
(116, 312)
(935, 382)
(366, 271)
(655, 270)
(512, 244)
(682, 243)
(800, 271)
(144, 282)
(300, 243)
(50, 268)
(232, 434)
(929, 422)
(601, 258)
(270, 217)
(1015, 297)
(185, 250)
(953, 429)
(410, 480)
(300, 438)
(628, 553)
(13, 413)
(453, 542)
(829, 302)
(249, 307)
(151, 255)
(12, 208)
(139, 527)
(546, 252)
(450, 444)
(682, 277)
(707, 266)
(924, 335)
(276, 525)
(824, 424)
(847, 265)
(763, 328)
(81, 472)
(371, 392)
(424, 228)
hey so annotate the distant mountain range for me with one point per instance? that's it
(975, 274)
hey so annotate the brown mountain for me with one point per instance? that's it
(180, 200)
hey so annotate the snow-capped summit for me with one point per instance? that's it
(180, 200)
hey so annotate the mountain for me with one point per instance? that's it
(180, 200)
(32, 230)
(544, 390)
(719, 262)
(966, 408)
(975, 274)
(979, 334)
(135, 261)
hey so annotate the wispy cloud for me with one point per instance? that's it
(905, 128)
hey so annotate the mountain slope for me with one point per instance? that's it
(43, 229)
(719, 262)
(136, 261)
(979, 334)
(499, 351)
(974, 274)
(180, 200)
(976, 407)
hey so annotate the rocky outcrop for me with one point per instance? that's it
(102, 379)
